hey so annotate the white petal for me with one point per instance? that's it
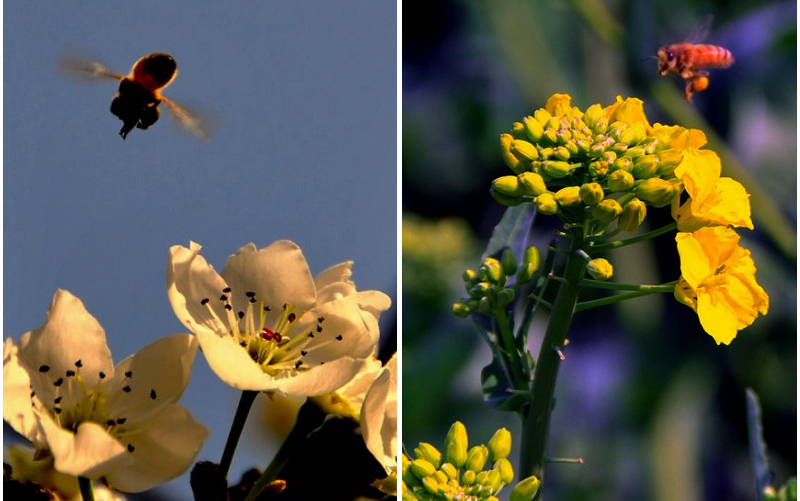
(159, 373)
(17, 408)
(343, 318)
(379, 417)
(162, 450)
(70, 337)
(190, 280)
(356, 389)
(321, 379)
(277, 274)
(91, 452)
(337, 273)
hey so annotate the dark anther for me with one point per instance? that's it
(110, 422)
(226, 290)
(266, 308)
(57, 400)
(131, 447)
(228, 307)
(102, 375)
(243, 344)
(126, 389)
(153, 394)
(129, 374)
(303, 352)
(70, 373)
(298, 364)
(252, 300)
(57, 410)
(44, 368)
(292, 316)
(319, 328)
(250, 294)
(240, 314)
(339, 337)
(223, 297)
(59, 382)
(204, 302)
(79, 364)
(321, 319)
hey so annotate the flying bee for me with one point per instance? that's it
(687, 61)
(139, 94)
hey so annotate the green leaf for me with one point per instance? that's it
(512, 232)
(495, 386)
(758, 449)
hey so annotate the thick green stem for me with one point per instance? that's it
(536, 421)
(245, 402)
(87, 490)
(510, 351)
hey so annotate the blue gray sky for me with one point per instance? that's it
(305, 94)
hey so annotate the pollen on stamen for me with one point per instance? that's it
(267, 335)
(291, 317)
(278, 337)
(78, 364)
(70, 373)
(228, 307)
(57, 400)
(204, 301)
(59, 382)
(240, 314)
(223, 297)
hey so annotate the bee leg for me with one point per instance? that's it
(148, 117)
(688, 91)
(126, 128)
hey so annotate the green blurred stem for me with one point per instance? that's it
(633, 240)
(629, 287)
(617, 298)
(536, 422)
(245, 402)
(509, 349)
(87, 490)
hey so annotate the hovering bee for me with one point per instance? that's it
(139, 95)
(686, 60)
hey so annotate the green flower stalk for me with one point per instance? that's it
(601, 171)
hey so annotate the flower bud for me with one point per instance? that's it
(592, 114)
(441, 476)
(634, 152)
(508, 185)
(494, 270)
(468, 477)
(632, 216)
(582, 146)
(476, 458)
(533, 129)
(508, 262)
(509, 157)
(542, 116)
(633, 135)
(620, 180)
(506, 470)
(506, 296)
(455, 445)
(546, 204)
(493, 480)
(524, 149)
(598, 168)
(532, 184)
(531, 261)
(669, 160)
(422, 468)
(606, 211)
(591, 193)
(506, 200)
(568, 196)
(653, 189)
(677, 187)
(623, 163)
(645, 166)
(560, 153)
(525, 490)
(431, 485)
(600, 269)
(500, 444)
(461, 310)
(449, 470)
(429, 453)
(557, 169)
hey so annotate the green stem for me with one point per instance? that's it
(634, 240)
(628, 287)
(87, 490)
(509, 350)
(617, 298)
(536, 421)
(245, 402)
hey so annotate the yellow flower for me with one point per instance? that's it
(713, 200)
(678, 137)
(558, 104)
(718, 282)
(630, 110)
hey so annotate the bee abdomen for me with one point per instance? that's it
(713, 56)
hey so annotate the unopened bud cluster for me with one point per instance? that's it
(608, 162)
(491, 285)
(459, 472)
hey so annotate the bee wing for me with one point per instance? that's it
(201, 127)
(701, 30)
(85, 70)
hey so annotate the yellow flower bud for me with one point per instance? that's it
(531, 261)
(606, 211)
(645, 166)
(500, 444)
(600, 269)
(524, 149)
(633, 135)
(620, 180)
(546, 204)
(525, 490)
(542, 116)
(422, 468)
(591, 193)
(429, 453)
(503, 466)
(592, 115)
(560, 153)
(476, 458)
(557, 169)
(468, 477)
(508, 185)
(532, 184)
(634, 152)
(513, 162)
(533, 129)
(455, 445)
(623, 163)
(653, 189)
(461, 310)
(669, 160)
(632, 216)
(506, 200)
(493, 269)
(431, 485)
(558, 104)
(568, 196)
(449, 470)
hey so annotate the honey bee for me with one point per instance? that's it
(139, 94)
(687, 61)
